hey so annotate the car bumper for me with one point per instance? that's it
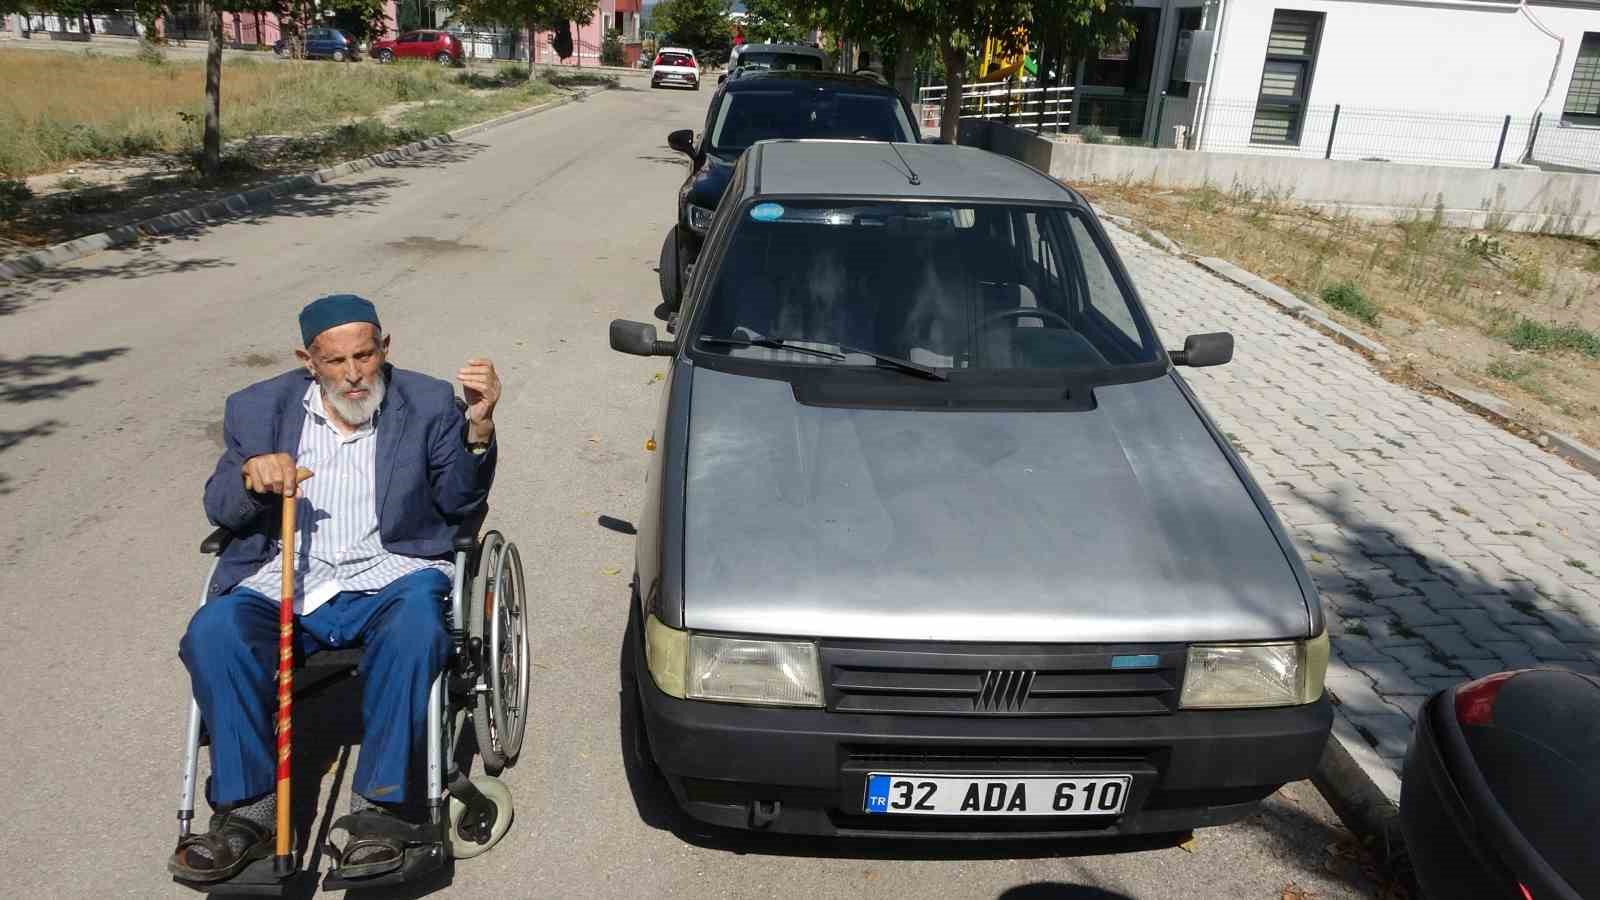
(674, 80)
(803, 771)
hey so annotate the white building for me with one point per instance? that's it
(1428, 81)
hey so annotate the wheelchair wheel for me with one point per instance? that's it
(498, 619)
(462, 847)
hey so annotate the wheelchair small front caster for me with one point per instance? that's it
(467, 837)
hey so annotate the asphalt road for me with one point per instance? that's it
(521, 243)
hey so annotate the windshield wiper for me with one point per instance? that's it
(769, 343)
(895, 362)
(884, 359)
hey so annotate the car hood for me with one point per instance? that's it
(707, 185)
(1123, 523)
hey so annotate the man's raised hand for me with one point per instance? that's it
(273, 473)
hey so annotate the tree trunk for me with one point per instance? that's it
(955, 66)
(259, 21)
(211, 162)
(532, 31)
(905, 63)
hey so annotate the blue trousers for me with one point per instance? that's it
(231, 651)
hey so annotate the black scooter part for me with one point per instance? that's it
(255, 880)
(419, 862)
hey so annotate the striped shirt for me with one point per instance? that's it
(337, 542)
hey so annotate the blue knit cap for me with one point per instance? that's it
(332, 311)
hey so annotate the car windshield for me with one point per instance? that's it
(783, 62)
(758, 115)
(949, 287)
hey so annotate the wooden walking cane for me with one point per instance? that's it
(283, 862)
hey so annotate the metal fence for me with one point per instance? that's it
(1036, 108)
(1395, 135)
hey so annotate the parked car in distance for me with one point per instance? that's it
(944, 545)
(776, 57)
(440, 46)
(324, 43)
(766, 105)
(675, 66)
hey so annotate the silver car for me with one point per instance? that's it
(937, 541)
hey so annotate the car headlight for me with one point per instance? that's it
(1233, 676)
(732, 670)
(699, 217)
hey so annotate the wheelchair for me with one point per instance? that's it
(485, 680)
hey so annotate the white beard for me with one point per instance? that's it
(356, 412)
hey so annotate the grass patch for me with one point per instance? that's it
(1530, 335)
(1578, 564)
(101, 107)
(1347, 298)
(1514, 371)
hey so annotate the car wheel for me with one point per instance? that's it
(385, 56)
(668, 271)
(340, 56)
(444, 59)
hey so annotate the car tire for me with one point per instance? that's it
(671, 284)
(384, 56)
(444, 59)
(340, 56)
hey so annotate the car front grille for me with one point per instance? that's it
(982, 680)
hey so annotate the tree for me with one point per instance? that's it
(775, 21)
(1065, 31)
(533, 15)
(611, 49)
(700, 25)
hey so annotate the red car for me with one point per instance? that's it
(439, 46)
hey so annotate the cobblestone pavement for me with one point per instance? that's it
(1444, 547)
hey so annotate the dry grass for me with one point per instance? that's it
(1516, 314)
(78, 107)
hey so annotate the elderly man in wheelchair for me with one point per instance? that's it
(389, 576)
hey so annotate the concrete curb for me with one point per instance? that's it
(244, 202)
(1294, 306)
(1367, 803)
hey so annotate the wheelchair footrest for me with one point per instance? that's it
(419, 862)
(257, 880)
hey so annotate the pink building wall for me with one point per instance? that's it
(240, 28)
(586, 39)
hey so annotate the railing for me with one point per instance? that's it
(1339, 131)
(1037, 108)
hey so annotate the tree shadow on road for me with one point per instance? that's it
(20, 378)
(149, 257)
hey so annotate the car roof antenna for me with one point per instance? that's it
(911, 174)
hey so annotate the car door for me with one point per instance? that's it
(406, 46)
(319, 42)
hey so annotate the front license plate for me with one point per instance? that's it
(965, 795)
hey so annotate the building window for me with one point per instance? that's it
(1286, 77)
(1583, 95)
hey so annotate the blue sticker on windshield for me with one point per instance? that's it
(767, 212)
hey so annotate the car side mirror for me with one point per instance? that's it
(1212, 349)
(639, 339)
(682, 141)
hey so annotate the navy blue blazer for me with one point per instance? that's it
(428, 481)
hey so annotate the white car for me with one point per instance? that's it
(675, 66)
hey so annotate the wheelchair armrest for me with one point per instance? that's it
(467, 531)
(216, 542)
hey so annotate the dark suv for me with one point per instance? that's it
(763, 106)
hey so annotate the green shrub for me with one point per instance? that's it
(1347, 298)
(1530, 335)
(1092, 135)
